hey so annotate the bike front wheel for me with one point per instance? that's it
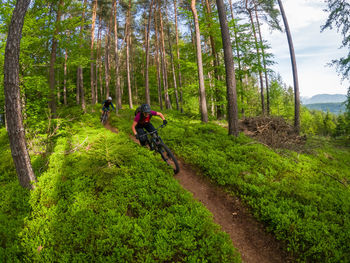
(104, 117)
(168, 157)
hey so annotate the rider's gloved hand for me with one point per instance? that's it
(136, 136)
(165, 122)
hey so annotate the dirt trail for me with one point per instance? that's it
(253, 243)
(248, 236)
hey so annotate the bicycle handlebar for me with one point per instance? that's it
(149, 133)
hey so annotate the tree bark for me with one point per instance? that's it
(160, 100)
(164, 62)
(92, 81)
(52, 102)
(202, 98)
(118, 99)
(173, 70)
(259, 62)
(264, 64)
(14, 117)
(127, 54)
(107, 43)
(65, 78)
(147, 95)
(295, 71)
(215, 60)
(232, 108)
(178, 56)
(238, 60)
(98, 62)
(80, 69)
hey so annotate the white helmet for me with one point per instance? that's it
(109, 98)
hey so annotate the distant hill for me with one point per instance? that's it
(335, 108)
(324, 98)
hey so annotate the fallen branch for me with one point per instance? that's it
(335, 178)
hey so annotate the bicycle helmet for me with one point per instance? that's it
(109, 98)
(146, 108)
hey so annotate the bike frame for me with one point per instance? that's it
(153, 139)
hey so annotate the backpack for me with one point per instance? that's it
(137, 110)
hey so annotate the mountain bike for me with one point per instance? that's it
(104, 117)
(155, 143)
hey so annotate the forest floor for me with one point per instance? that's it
(249, 236)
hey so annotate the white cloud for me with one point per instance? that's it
(313, 49)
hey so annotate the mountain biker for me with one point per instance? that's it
(142, 121)
(106, 104)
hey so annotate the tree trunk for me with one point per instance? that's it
(107, 43)
(230, 71)
(295, 72)
(77, 95)
(160, 100)
(178, 57)
(264, 64)
(203, 101)
(80, 69)
(92, 82)
(127, 54)
(118, 99)
(259, 62)
(215, 59)
(238, 60)
(173, 70)
(164, 62)
(65, 78)
(52, 102)
(14, 120)
(98, 77)
(147, 95)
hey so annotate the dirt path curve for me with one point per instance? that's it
(247, 235)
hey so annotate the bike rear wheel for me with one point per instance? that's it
(168, 157)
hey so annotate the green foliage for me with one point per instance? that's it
(103, 198)
(302, 198)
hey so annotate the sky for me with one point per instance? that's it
(313, 50)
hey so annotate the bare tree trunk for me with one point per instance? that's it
(128, 21)
(178, 57)
(98, 77)
(77, 97)
(259, 62)
(295, 71)
(238, 60)
(80, 69)
(65, 78)
(118, 99)
(147, 95)
(82, 93)
(164, 62)
(58, 89)
(12, 94)
(92, 82)
(173, 70)
(203, 101)
(215, 59)
(52, 102)
(107, 77)
(230, 71)
(160, 100)
(264, 64)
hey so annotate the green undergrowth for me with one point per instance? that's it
(100, 197)
(304, 199)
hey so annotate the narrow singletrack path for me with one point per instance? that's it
(253, 243)
(248, 235)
